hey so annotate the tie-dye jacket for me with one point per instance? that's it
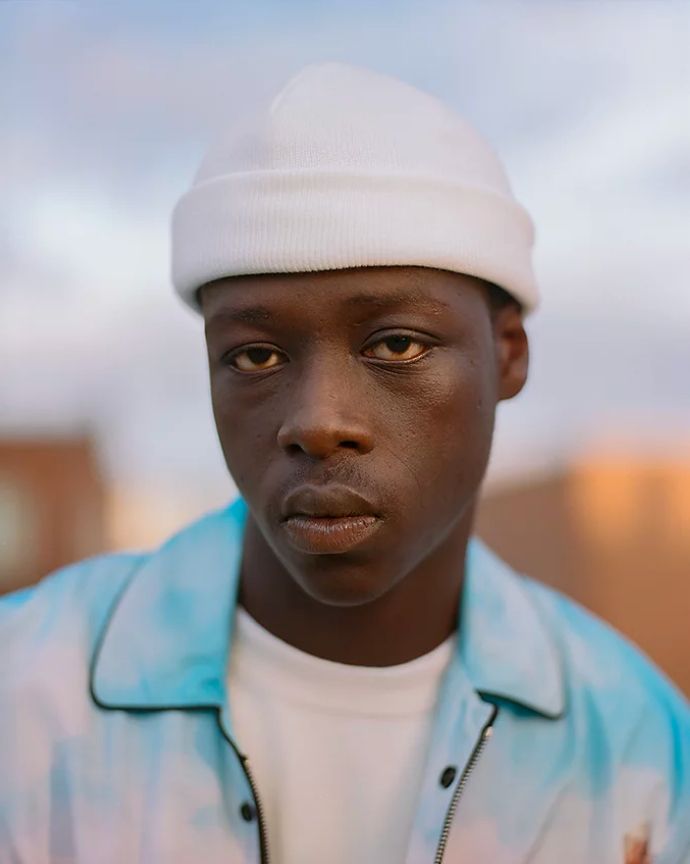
(554, 741)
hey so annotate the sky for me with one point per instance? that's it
(106, 110)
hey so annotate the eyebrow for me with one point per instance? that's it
(258, 314)
(402, 298)
(244, 315)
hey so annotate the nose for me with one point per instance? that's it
(325, 416)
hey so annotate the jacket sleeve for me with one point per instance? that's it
(25, 623)
(47, 635)
(660, 747)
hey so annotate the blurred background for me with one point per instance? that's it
(106, 432)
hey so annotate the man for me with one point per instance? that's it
(331, 669)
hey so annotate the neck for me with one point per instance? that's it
(411, 619)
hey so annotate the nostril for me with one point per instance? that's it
(319, 442)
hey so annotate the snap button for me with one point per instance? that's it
(247, 812)
(448, 776)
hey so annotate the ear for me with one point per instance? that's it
(512, 351)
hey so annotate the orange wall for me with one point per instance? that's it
(614, 535)
(51, 507)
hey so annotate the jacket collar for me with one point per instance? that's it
(166, 642)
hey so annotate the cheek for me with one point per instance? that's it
(454, 431)
(245, 431)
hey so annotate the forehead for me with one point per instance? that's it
(342, 292)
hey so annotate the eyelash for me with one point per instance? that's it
(415, 339)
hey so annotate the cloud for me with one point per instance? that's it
(108, 112)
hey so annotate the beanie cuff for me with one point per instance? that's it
(302, 221)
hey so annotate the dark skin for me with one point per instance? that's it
(382, 380)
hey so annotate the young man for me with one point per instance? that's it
(331, 669)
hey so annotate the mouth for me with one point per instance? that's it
(323, 535)
(328, 520)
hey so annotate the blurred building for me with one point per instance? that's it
(614, 535)
(51, 507)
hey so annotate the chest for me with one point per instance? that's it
(168, 786)
(321, 773)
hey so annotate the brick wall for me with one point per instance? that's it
(51, 507)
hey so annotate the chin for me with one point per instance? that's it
(331, 583)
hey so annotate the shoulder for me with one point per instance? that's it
(62, 618)
(65, 611)
(599, 659)
(628, 712)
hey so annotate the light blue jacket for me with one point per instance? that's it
(116, 743)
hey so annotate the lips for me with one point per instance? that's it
(332, 501)
(327, 520)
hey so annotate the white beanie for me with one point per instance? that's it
(351, 168)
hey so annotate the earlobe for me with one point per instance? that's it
(512, 352)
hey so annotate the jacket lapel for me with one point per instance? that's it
(505, 654)
(166, 642)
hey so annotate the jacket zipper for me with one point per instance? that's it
(462, 782)
(263, 837)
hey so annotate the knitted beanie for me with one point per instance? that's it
(351, 168)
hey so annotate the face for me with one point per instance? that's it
(355, 410)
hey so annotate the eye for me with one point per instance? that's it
(257, 358)
(397, 346)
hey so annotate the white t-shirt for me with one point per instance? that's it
(337, 751)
